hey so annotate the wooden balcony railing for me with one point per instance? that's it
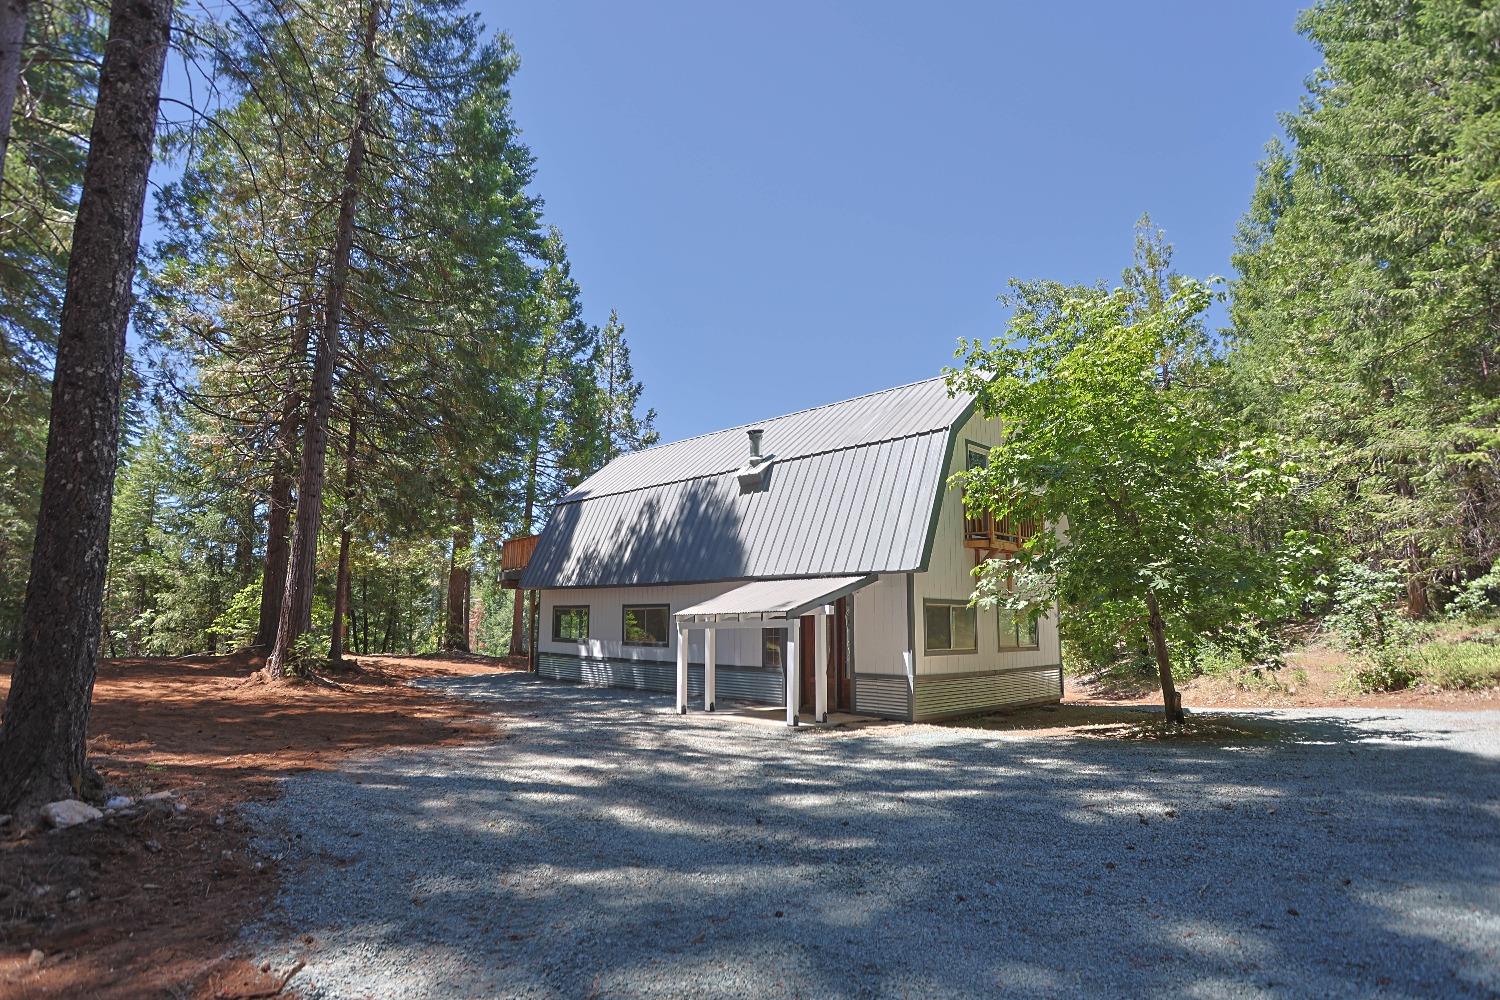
(984, 531)
(515, 553)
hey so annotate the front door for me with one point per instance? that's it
(839, 699)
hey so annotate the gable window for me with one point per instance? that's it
(773, 648)
(950, 627)
(647, 624)
(570, 624)
(1018, 630)
(978, 457)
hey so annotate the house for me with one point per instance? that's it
(818, 560)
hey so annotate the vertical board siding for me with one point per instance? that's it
(737, 647)
(950, 577)
(880, 627)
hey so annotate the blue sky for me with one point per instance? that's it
(792, 203)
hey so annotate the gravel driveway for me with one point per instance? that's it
(602, 847)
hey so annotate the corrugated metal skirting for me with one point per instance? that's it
(880, 694)
(764, 687)
(963, 694)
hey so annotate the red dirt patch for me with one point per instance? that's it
(151, 904)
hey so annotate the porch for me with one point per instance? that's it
(769, 604)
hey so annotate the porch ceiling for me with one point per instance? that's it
(773, 599)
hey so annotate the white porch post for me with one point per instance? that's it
(682, 670)
(793, 672)
(710, 668)
(820, 685)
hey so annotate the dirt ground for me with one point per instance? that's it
(150, 904)
(1312, 678)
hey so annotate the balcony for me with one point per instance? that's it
(987, 533)
(515, 553)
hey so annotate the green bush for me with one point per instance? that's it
(1465, 664)
(1386, 671)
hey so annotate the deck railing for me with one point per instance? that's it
(985, 531)
(515, 553)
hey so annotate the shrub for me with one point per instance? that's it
(1460, 665)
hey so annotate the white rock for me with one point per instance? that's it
(37, 957)
(69, 812)
(156, 797)
(119, 802)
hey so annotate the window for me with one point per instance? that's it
(773, 648)
(950, 627)
(570, 624)
(1018, 630)
(978, 457)
(648, 625)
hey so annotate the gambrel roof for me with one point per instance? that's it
(853, 489)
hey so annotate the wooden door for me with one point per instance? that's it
(839, 688)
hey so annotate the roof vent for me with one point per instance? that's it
(755, 473)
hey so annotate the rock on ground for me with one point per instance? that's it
(68, 812)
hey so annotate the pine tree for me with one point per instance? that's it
(42, 741)
(621, 427)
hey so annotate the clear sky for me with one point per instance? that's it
(791, 203)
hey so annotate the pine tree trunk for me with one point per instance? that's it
(457, 639)
(279, 515)
(12, 39)
(46, 714)
(1170, 699)
(296, 602)
(339, 642)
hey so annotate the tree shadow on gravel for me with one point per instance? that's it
(608, 847)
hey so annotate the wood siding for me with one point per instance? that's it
(950, 577)
(880, 627)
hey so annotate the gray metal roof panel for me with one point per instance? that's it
(880, 416)
(851, 491)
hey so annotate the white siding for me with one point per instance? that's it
(880, 627)
(737, 647)
(950, 576)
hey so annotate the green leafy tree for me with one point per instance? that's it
(1112, 437)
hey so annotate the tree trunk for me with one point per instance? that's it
(339, 642)
(46, 714)
(457, 639)
(279, 516)
(296, 601)
(12, 39)
(1170, 699)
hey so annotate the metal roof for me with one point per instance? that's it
(852, 489)
(776, 598)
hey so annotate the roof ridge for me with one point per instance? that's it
(793, 413)
(570, 498)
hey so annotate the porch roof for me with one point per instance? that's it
(773, 599)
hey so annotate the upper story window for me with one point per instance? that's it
(570, 624)
(647, 625)
(950, 627)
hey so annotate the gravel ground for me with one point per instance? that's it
(602, 847)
